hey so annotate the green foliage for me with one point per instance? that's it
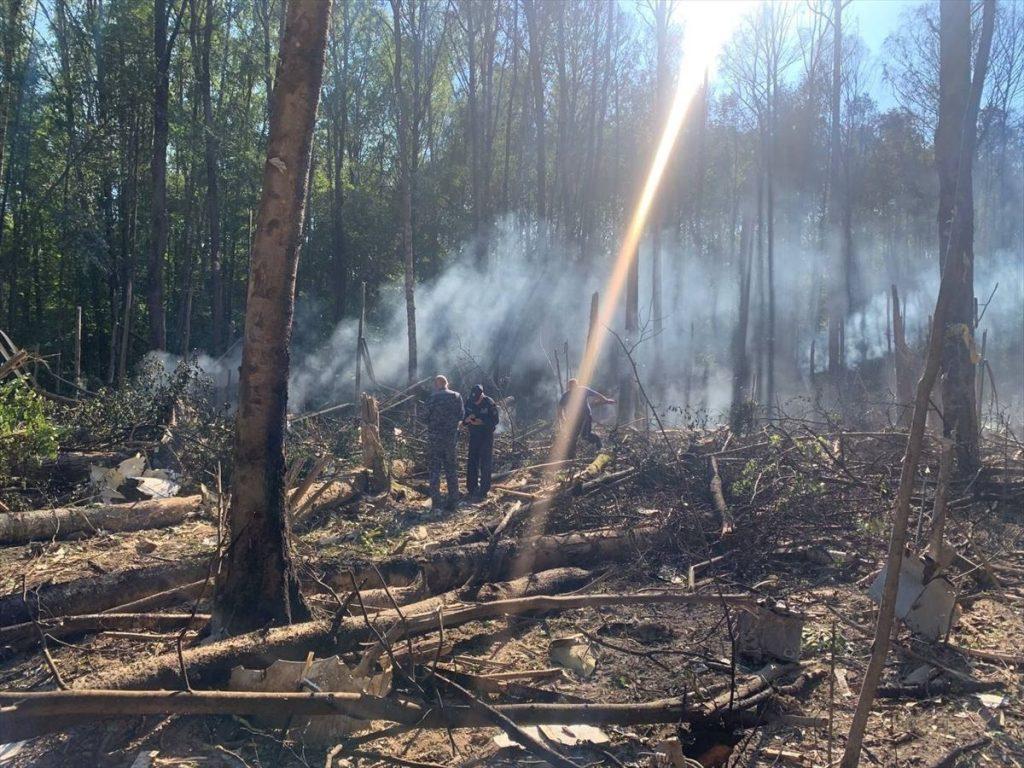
(27, 434)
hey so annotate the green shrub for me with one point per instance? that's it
(27, 435)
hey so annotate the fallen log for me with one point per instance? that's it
(439, 571)
(28, 714)
(443, 569)
(94, 594)
(209, 665)
(20, 636)
(61, 522)
(551, 582)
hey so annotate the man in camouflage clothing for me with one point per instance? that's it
(444, 413)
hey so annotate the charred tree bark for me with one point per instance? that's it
(258, 584)
(955, 143)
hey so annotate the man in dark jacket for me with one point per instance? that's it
(481, 420)
(444, 413)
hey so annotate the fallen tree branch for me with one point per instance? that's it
(209, 665)
(28, 714)
(23, 635)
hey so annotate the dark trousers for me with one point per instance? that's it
(478, 466)
(584, 427)
(441, 455)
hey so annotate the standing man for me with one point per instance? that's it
(444, 412)
(481, 419)
(575, 415)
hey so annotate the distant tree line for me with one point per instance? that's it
(132, 135)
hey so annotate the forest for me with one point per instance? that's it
(709, 316)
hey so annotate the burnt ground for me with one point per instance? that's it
(811, 516)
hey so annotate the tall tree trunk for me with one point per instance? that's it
(627, 384)
(211, 153)
(955, 140)
(339, 130)
(162, 47)
(739, 412)
(258, 583)
(835, 275)
(402, 110)
(12, 34)
(536, 56)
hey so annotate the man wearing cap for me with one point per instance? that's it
(444, 412)
(481, 420)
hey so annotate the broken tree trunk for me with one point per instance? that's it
(61, 522)
(728, 525)
(93, 594)
(209, 665)
(28, 714)
(374, 458)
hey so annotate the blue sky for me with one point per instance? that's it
(875, 20)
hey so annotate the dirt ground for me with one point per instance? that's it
(810, 532)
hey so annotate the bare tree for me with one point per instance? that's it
(955, 143)
(258, 583)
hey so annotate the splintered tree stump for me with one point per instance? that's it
(374, 458)
(61, 522)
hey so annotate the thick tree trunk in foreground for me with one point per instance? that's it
(955, 24)
(955, 140)
(258, 584)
